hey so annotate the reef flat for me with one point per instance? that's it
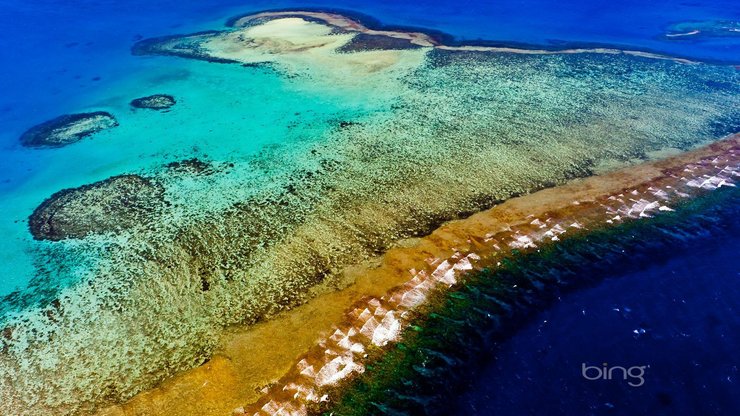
(67, 129)
(418, 136)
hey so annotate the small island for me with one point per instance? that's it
(67, 129)
(154, 102)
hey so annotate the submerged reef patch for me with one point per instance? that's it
(176, 45)
(115, 204)
(154, 102)
(67, 129)
(428, 135)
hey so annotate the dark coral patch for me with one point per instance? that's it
(365, 42)
(67, 129)
(154, 102)
(113, 205)
(346, 124)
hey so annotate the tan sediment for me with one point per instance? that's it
(254, 358)
(298, 45)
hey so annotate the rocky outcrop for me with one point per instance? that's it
(67, 129)
(113, 205)
(154, 102)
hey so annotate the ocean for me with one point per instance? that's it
(314, 164)
(631, 320)
(675, 317)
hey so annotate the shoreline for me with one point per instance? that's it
(245, 369)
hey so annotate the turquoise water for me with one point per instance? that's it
(247, 120)
(76, 55)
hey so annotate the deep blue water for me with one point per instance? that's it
(680, 318)
(55, 54)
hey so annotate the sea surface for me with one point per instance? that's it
(59, 57)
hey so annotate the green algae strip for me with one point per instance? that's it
(386, 152)
(456, 328)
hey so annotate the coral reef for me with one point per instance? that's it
(177, 45)
(193, 166)
(364, 42)
(441, 133)
(375, 322)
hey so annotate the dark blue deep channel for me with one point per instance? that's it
(679, 318)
